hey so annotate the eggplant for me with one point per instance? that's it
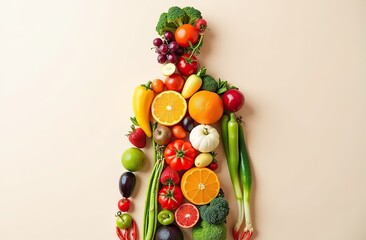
(127, 183)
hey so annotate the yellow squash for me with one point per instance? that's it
(142, 99)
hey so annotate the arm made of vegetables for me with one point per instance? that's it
(142, 99)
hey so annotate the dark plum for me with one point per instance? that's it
(170, 232)
(127, 183)
(188, 123)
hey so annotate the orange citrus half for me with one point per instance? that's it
(200, 185)
(168, 108)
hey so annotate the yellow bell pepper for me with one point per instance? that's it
(193, 83)
(142, 99)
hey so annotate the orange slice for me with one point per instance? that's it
(168, 108)
(200, 185)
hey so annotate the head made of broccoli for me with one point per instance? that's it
(216, 212)
(206, 230)
(176, 17)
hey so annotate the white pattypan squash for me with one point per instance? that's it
(204, 138)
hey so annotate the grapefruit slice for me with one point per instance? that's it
(187, 215)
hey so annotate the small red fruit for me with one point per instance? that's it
(124, 204)
(213, 166)
(169, 176)
(233, 100)
(137, 137)
(201, 25)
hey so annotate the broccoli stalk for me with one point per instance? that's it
(216, 212)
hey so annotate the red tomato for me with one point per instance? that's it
(233, 100)
(170, 197)
(213, 166)
(179, 132)
(201, 25)
(124, 204)
(180, 155)
(174, 82)
(185, 34)
(157, 86)
(187, 65)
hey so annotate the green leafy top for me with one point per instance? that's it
(175, 17)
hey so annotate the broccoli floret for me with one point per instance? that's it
(163, 26)
(206, 230)
(216, 212)
(209, 83)
(176, 16)
(192, 15)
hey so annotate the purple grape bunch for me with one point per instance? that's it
(167, 48)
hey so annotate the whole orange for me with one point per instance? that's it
(205, 107)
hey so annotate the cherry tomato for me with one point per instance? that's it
(187, 65)
(157, 85)
(186, 34)
(124, 204)
(213, 166)
(233, 100)
(179, 132)
(170, 197)
(201, 25)
(174, 82)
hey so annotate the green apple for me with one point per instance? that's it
(133, 159)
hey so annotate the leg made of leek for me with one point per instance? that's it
(246, 179)
(233, 165)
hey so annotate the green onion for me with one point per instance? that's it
(229, 130)
(246, 179)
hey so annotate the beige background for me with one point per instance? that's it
(67, 72)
